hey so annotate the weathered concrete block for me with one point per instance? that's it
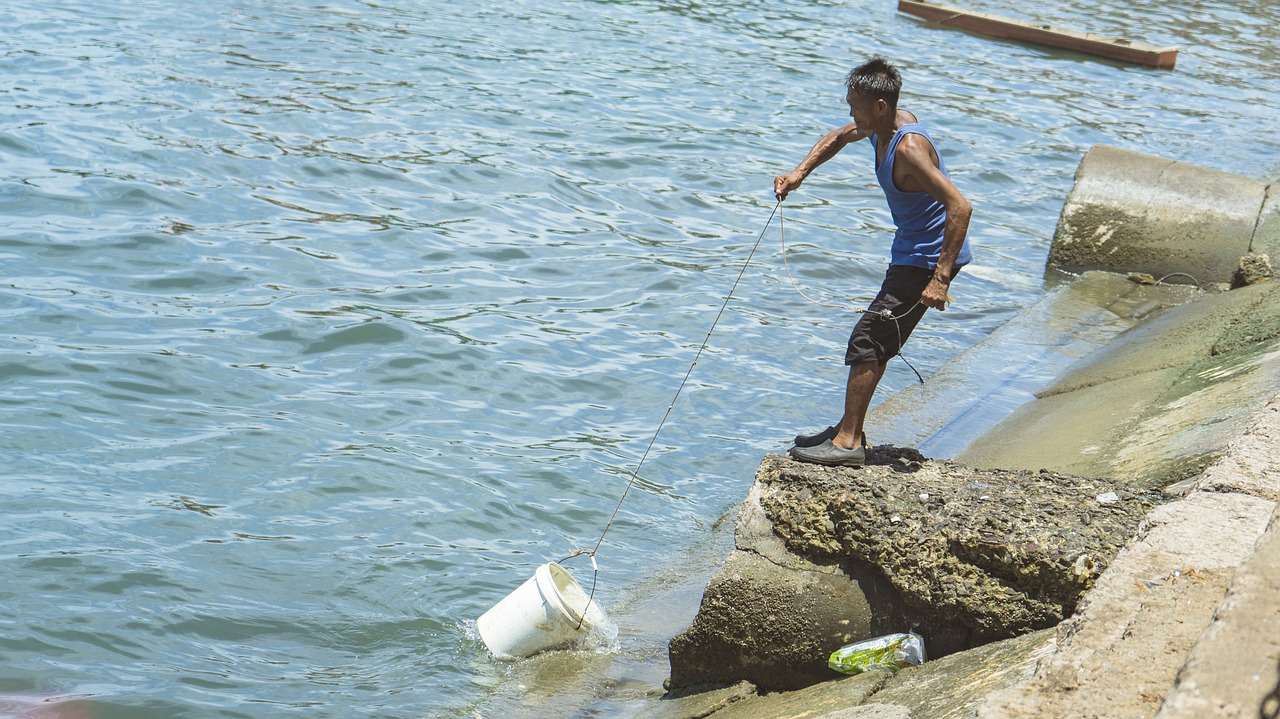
(770, 626)
(1233, 666)
(964, 556)
(975, 555)
(772, 617)
(1130, 212)
(1119, 654)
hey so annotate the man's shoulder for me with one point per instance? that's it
(916, 144)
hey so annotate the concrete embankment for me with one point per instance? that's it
(1129, 533)
(1184, 623)
(1131, 212)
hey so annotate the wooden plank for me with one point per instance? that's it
(1115, 48)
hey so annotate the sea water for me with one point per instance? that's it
(326, 323)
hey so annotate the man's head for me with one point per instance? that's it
(870, 83)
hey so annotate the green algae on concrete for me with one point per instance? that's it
(1261, 322)
(1069, 432)
(1159, 403)
(976, 390)
(1176, 337)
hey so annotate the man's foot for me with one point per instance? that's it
(813, 440)
(830, 455)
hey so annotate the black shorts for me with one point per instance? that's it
(877, 338)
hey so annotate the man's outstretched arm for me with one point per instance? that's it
(828, 147)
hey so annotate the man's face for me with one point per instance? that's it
(864, 111)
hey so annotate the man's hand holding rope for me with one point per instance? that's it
(935, 294)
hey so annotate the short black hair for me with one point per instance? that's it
(875, 79)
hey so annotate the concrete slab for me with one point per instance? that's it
(828, 699)
(697, 706)
(1131, 212)
(1193, 421)
(1072, 432)
(1234, 669)
(774, 628)
(947, 688)
(1175, 337)
(975, 391)
(866, 711)
(1159, 403)
(1120, 653)
(952, 687)
(1249, 465)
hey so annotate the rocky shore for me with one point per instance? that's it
(1107, 550)
(826, 556)
(1105, 542)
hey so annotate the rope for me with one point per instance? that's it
(635, 475)
(882, 314)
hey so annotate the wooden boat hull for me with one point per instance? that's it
(1114, 48)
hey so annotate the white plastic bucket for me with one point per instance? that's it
(546, 612)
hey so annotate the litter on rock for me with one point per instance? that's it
(888, 654)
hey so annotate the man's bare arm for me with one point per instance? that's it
(828, 147)
(914, 153)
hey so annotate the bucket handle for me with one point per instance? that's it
(595, 575)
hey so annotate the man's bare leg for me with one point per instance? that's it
(864, 377)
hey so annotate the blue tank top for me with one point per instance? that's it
(920, 219)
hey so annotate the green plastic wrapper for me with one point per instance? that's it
(887, 654)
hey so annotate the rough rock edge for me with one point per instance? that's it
(1001, 575)
(1246, 465)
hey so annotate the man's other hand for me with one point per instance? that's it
(935, 295)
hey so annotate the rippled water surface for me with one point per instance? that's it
(324, 324)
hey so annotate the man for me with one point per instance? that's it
(929, 246)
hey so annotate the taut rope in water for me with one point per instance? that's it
(595, 570)
(635, 474)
